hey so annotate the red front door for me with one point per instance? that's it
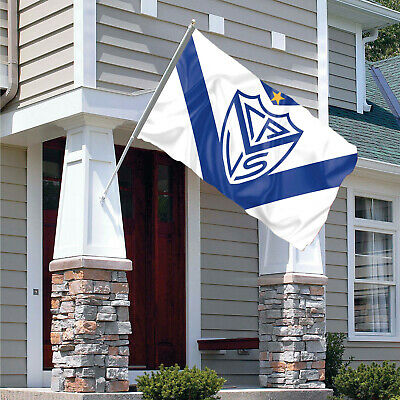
(153, 210)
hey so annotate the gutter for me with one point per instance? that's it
(375, 166)
(12, 50)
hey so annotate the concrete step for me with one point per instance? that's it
(226, 394)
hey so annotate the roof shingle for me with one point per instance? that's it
(376, 133)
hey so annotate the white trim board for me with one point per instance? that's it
(193, 269)
(370, 15)
(323, 84)
(343, 23)
(149, 7)
(379, 172)
(34, 312)
(378, 166)
(372, 8)
(85, 43)
(323, 61)
(361, 87)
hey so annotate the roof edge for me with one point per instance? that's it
(369, 7)
(378, 166)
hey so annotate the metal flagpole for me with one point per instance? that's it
(152, 101)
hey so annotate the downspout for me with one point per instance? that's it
(12, 51)
(368, 39)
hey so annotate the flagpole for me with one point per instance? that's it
(152, 101)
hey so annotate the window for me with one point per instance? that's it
(373, 263)
(52, 169)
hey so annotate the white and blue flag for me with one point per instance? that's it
(256, 145)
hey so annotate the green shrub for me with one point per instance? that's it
(187, 384)
(334, 357)
(369, 382)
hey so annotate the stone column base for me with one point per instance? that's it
(89, 331)
(292, 324)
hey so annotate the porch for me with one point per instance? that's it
(223, 253)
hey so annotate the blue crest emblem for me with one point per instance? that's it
(254, 140)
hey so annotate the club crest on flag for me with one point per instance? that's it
(254, 140)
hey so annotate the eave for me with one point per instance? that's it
(367, 14)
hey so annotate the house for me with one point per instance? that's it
(364, 289)
(89, 68)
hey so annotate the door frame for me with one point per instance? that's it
(37, 377)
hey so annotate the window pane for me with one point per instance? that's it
(382, 210)
(126, 204)
(374, 256)
(164, 208)
(372, 308)
(164, 178)
(51, 194)
(379, 210)
(364, 242)
(383, 244)
(363, 207)
(125, 175)
(52, 163)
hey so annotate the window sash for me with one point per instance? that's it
(384, 227)
(374, 208)
(372, 258)
(374, 307)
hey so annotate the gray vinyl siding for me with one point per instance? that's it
(336, 264)
(12, 267)
(133, 49)
(46, 53)
(342, 69)
(229, 272)
(3, 35)
(336, 298)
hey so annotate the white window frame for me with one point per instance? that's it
(376, 226)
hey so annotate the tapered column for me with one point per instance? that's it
(90, 307)
(85, 226)
(292, 314)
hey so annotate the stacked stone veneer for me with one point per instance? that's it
(89, 331)
(292, 335)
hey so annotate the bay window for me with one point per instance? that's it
(373, 279)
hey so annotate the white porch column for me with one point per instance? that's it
(278, 257)
(90, 323)
(292, 317)
(84, 225)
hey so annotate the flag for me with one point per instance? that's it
(256, 145)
